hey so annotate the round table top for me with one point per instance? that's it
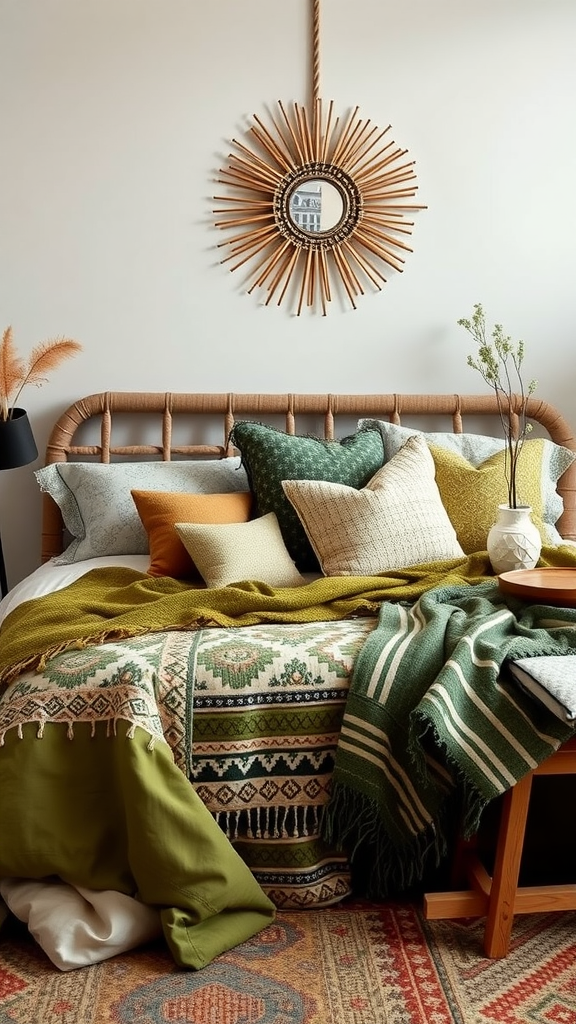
(550, 585)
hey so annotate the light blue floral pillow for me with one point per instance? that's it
(98, 509)
(476, 448)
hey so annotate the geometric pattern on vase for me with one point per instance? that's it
(514, 542)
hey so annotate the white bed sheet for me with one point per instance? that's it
(49, 577)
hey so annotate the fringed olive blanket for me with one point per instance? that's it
(115, 603)
(430, 729)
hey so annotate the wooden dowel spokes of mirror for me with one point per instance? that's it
(317, 205)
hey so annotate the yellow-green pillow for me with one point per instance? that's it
(471, 495)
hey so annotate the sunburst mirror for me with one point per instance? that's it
(315, 203)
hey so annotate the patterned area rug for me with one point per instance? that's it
(353, 964)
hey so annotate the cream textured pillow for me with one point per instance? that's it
(396, 520)
(231, 552)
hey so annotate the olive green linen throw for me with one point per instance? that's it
(114, 603)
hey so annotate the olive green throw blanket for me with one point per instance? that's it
(115, 603)
(433, 730)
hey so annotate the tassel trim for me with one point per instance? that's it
(271, 822)
(111, 729)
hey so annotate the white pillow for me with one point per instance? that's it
(396, 520)
(76, 926)
(97, 506)
(227, 553)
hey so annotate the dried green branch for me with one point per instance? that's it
(499, 362)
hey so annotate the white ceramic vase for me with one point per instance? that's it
(514, 541)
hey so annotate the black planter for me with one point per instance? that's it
(17, 444)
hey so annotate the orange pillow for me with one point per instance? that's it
(159, 510)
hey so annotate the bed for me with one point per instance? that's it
(220, 698)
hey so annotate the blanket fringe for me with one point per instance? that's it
(111, 731)
(472, 803)
(381, 867)
(269, 822)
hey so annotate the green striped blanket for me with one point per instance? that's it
(433, 729)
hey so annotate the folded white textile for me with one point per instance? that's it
(76, 926)
(551, 679)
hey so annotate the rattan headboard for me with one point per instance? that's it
(165, 409)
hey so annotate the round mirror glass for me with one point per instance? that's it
(316, 206)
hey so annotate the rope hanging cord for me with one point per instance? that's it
(315, 53)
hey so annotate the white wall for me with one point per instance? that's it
(115, 116)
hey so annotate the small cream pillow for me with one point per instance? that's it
(76, 926)
(231, 552)
(396, 520)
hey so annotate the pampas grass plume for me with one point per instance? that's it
(15, 374)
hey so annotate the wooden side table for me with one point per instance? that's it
(498, 897)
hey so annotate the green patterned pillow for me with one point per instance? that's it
(271, 456)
